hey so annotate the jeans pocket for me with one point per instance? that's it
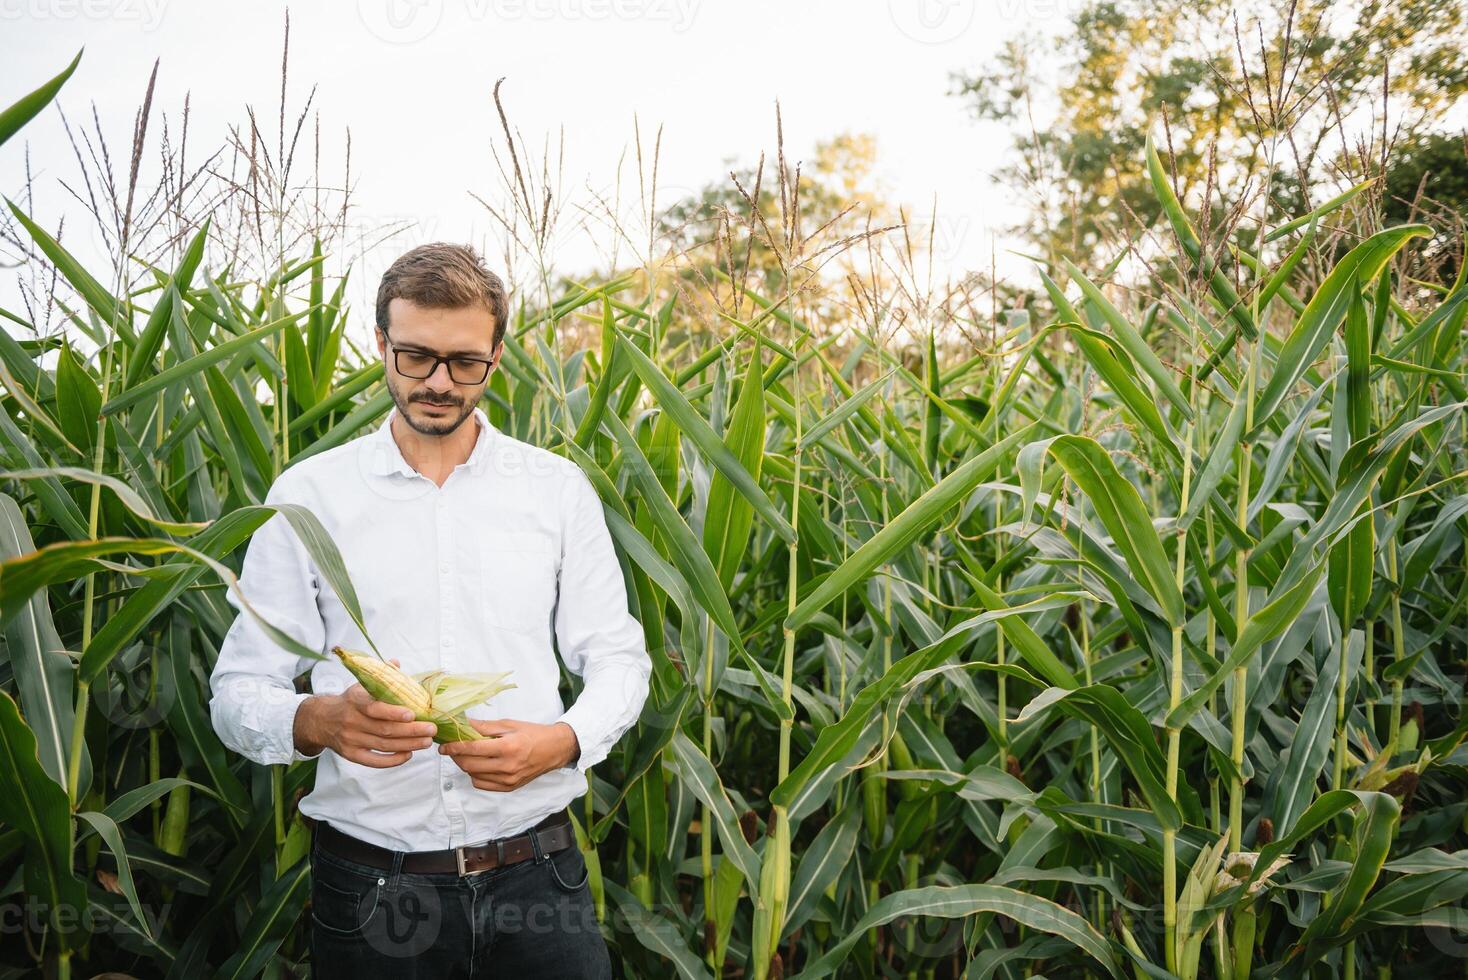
(568, 866)
(342, 901)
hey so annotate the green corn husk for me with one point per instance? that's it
(434, 695)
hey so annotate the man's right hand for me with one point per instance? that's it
(360, 728)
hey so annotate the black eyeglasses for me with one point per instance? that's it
(420, 365)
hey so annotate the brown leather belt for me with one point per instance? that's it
(554, 834)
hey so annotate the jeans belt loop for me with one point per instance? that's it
(397, 870)
(540, 855)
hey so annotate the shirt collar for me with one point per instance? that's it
(390, 459)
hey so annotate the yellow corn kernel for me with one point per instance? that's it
(384, 681)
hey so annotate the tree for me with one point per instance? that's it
(1310, 95)
(1428, 182)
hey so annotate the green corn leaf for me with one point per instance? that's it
(917, 519)
(1334, 204)
(103, 303)
(1124, 516)
(1129, 733)
(269, 924)
(1374, 834)
(728, 515)
(657, 934)
(1272, 619)
(107, 829)
(143, 357)
(195, 363)
(690, 558)
(1325, 311)
(1223, 291)
(77, 399)
(41, 666)
(693, 425)
(129, 497)
(25, 109)
(35, 805)
(964, 900)
(703, 780)
(1127, 334)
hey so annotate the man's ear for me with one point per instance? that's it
(381, 341)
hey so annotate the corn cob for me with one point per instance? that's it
(389, 684)
(384, 681)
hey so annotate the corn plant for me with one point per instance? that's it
(1126, 641)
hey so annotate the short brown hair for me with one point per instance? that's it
(442, 275)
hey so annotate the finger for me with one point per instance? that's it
(486, 748)
(383, 711)
(396, 729)
(375, 731)
(476, 766)
(494, 785)
(414, 744)
(483, 763)
(496, 727)
(377, 760)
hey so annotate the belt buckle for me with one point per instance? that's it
(499, 851)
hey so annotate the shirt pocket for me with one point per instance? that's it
(519, 574)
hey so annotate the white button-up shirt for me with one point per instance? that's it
(471, 576)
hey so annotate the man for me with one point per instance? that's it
(468, 551)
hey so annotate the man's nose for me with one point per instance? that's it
(440, 380)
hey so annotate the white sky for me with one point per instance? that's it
(413, 80)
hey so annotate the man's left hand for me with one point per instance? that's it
(518, 752)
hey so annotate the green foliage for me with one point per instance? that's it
(1255, 88)
(1186, 702)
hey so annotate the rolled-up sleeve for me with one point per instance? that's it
(599, 639)
(254, 700)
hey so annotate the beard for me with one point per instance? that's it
(411, 409)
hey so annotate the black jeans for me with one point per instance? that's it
(535, 918)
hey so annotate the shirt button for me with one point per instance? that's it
(448, 641)
(448, 784)
(443, 566)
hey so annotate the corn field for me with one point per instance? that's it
(1121, 636)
